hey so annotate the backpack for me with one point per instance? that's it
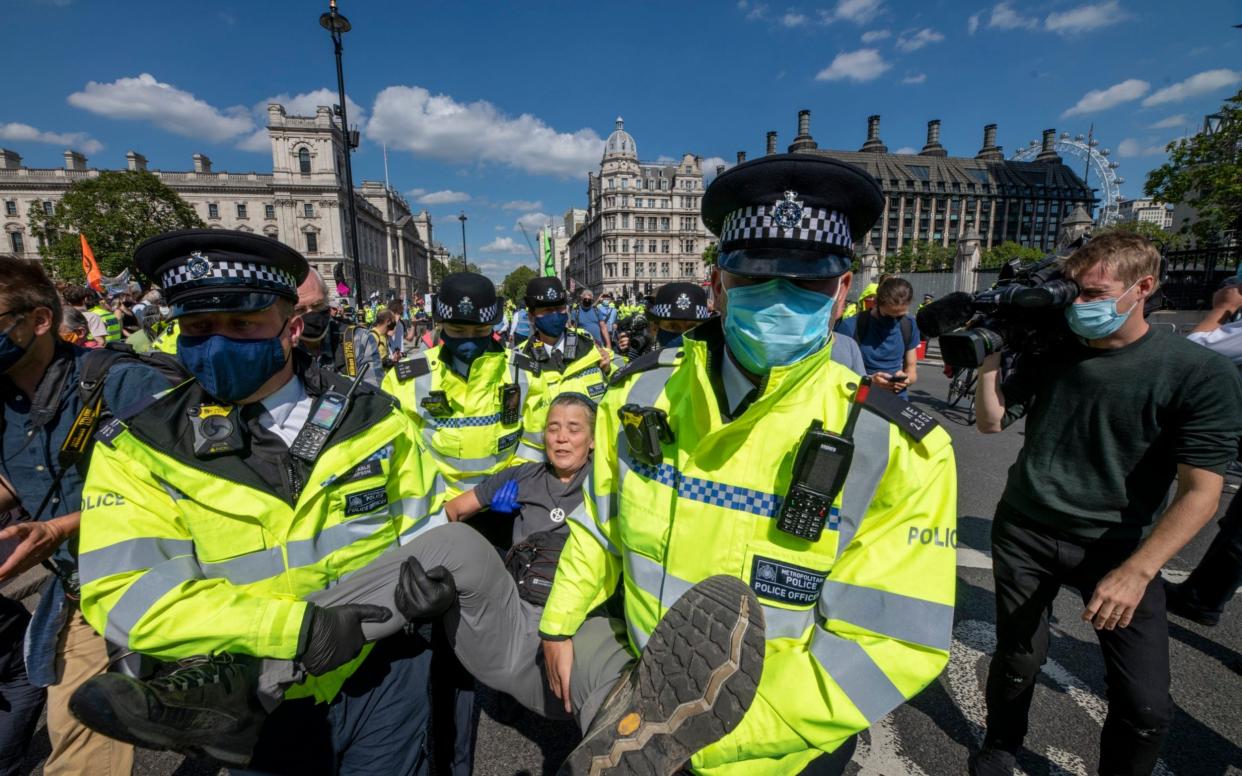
(863, 320)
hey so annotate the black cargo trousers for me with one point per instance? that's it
(1029, 565)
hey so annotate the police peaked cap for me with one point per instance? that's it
(679, 302)
(218, 270)
(469, 298)
(545, 292)
(791, 215)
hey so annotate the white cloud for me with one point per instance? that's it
(754, 13)
(410, 118)
(709, 166)
(505, 245)
(906, 150)
(78, 141)
(1170, 123)
(793, 19)
(146, 99)
(856, 11)
(972, 24)
(917, 78)
(861, 65)
(1103, 99)
(1084, 18)
(522, 204)
(1200, 83)
(1131, 148)
(304, 104)
(532, 221)
(443, 197)
(911, 40)
(871, 36)
(1004, 17)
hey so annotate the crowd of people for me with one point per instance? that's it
(295, 536)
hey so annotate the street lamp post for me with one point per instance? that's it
(336, 24)
(464, 264)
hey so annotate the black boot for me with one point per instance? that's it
(207, 705)
(692, 685)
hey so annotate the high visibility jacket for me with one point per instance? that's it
(167, 341)
(857, 622)
(577, 371)
(110, 321)
(469, 442)
(182, 556)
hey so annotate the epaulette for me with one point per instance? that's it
(654, 359)
(410, 368)
(900, 413)
(525, 362)
(109, 431)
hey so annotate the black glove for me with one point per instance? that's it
(422, 594)
(334, 637)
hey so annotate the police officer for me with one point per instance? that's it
(676, 309)
(560, 358)
(211, 516)
(747, 425)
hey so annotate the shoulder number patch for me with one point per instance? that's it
(411, 368)
(900, 413)
(785, 582)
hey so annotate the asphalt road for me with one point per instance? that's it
(934, 734)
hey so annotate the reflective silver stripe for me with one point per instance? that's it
(583, 519)
(533, 438)
(849, 665)
(605, 505)
(145, 591)
(306, 552)
(531, 453)
(130, 555)
(638, 637)
(437, 518)
(646, 390)
(787, 623)
(890, 614)
(249, 568)
(866, 471)
(469, 464)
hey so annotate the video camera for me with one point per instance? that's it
(1022, 312)
(635, 327)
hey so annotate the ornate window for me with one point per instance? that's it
(304, 161)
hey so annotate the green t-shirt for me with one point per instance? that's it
(1106, 430)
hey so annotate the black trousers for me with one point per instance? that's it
(1219, 574)
(1030, 565)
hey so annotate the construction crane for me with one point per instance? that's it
(529, 244)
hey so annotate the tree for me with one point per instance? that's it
(710, 253)
(1002, 254)
(513, 287)
(116, 211)
(1205, 172)
(439, 269)
(920, 255)
(1163, 239)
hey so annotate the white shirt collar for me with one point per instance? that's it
(286, 410)
(736, 384)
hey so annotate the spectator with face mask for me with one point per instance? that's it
(887, 336)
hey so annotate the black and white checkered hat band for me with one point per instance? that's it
(445, 312)
(701, 313)
(218, 270)
(826, 227)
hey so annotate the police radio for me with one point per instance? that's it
(324, 419)
(510, 403)
(820, 467)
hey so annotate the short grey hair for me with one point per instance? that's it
(573, 399)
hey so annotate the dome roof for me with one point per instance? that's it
(620, 143)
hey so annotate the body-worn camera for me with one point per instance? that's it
(1023, 311)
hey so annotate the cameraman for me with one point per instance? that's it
(1112, 419)
(676, 309)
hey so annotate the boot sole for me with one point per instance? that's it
(697, 677)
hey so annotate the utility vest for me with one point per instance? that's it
(460, 421)
(167, 341)
(110, 321)
(577, 371)
(184, 555)
(857, 621)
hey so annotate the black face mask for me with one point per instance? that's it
(586, 304)
(314, 324)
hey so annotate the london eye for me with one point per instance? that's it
(1096, 164)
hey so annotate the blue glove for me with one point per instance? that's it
(506, 498)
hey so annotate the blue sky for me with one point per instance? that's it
(501, 108)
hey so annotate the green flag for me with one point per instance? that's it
(545, 247)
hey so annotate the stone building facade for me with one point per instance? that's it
(1148, 210)
(934, 197)
(642, 226)
(301, 202)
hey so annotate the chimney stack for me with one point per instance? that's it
(719, 169)
(9, 160)
(804, 141)
(990, 151)
(202, 163)
(1048, 151)
(874, 143)
(135, 161)
(771, 143)
(933, 147)
(741, 156)
(74, 160)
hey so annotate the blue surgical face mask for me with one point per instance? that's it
(667, 338)
(231, 369)
(10, 351)
(467, 349)
(552, 324)
(1098, 319)
(775, 323)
